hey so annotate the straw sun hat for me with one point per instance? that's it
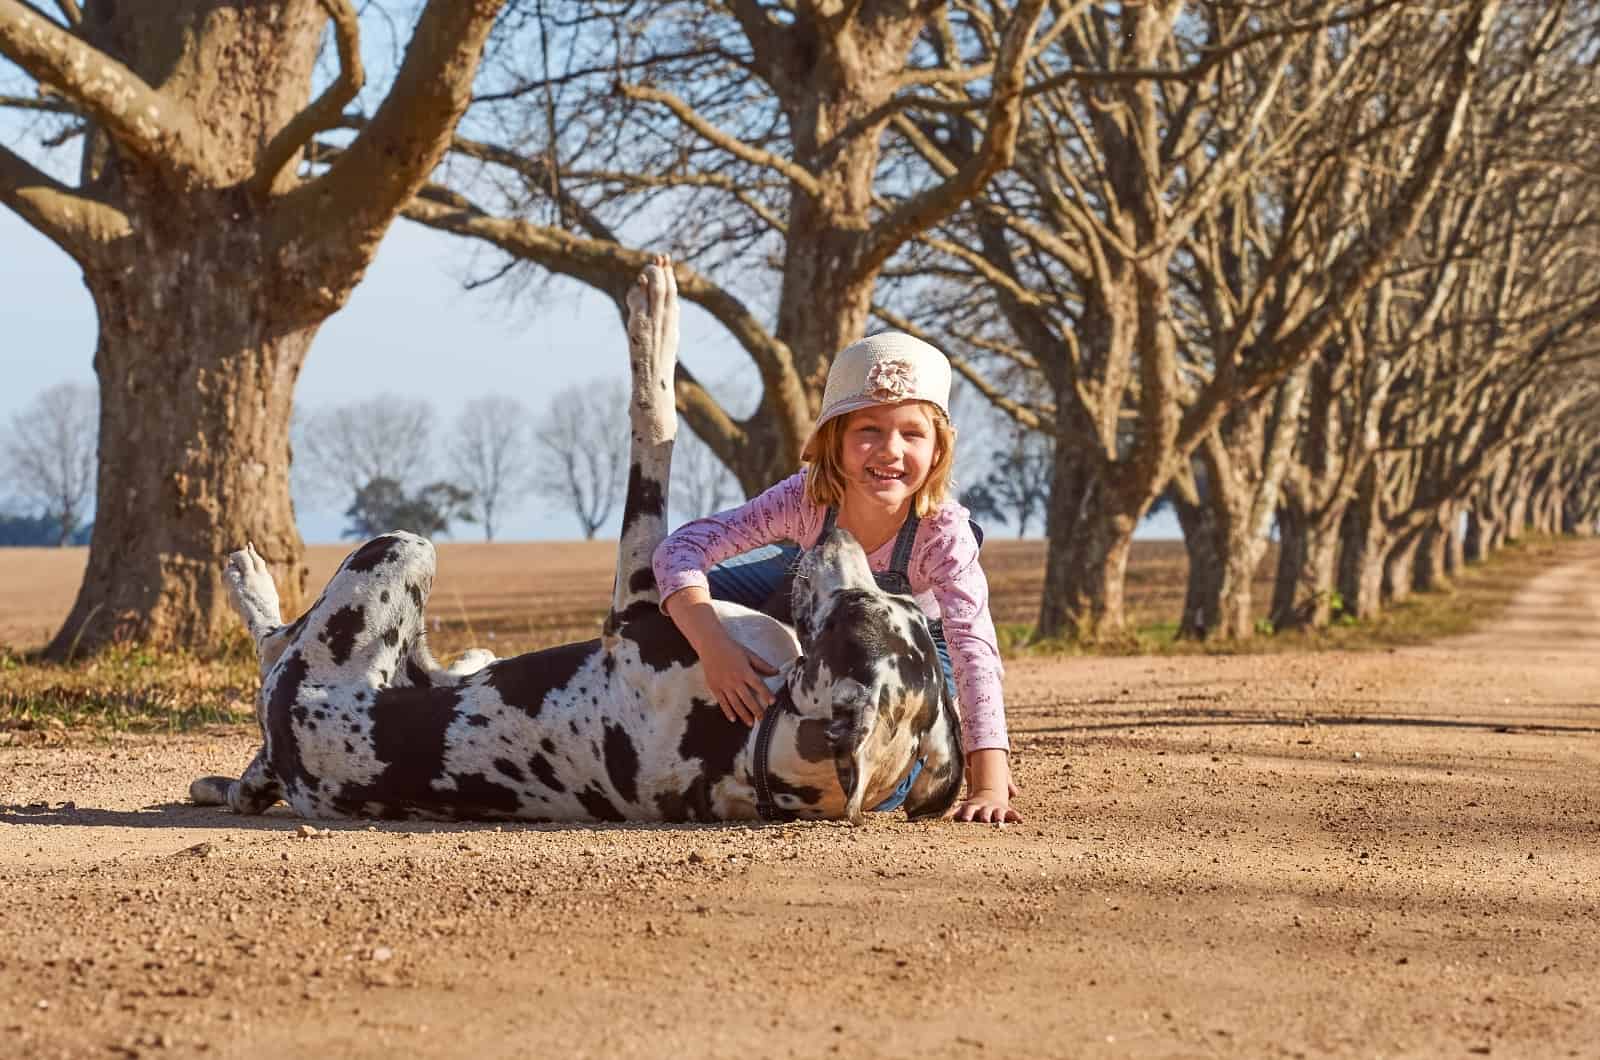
(882, 369)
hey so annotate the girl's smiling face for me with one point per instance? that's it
(887, 451)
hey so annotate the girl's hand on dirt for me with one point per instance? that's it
(733, 673)
(989, 806)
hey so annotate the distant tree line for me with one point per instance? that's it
(395, 468)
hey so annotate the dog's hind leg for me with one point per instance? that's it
(653, 416)
(255, 598)
(252, 793)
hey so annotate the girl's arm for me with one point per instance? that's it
(732, 673)
(952, 572)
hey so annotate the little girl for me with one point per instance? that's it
(878, 465)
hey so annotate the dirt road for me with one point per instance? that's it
(1392, 854)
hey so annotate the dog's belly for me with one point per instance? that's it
(576, 733)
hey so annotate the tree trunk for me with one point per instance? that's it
(1432, 556)
(1202, 540)
(1455, 560)
(1086, 561)
(1475, 548)
(181, 488)
(1361, 566)
(1399, 568)
(1516, 526)
(1307, 586)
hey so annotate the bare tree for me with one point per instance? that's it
(50, 454)
(343, 448)
(490, 454)
(213, 260)
(1148, 257)
(748, 138)
(582, 443)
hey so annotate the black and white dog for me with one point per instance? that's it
(358, 720)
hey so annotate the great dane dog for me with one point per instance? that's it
(358, 720)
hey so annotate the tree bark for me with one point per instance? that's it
(212, 264)
(1086, 562)
(1307, 584)
(207, 474)
(1431, 571)
(1399, 568)
(1202, 540)
(1361, 553)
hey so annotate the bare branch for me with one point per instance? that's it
(42, 104)
(929, 207)
(610, 267)
(71, 220)
(720, 138)
(326, 110)
(139, 117)
(392, 157)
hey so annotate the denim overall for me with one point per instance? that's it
(761, 579)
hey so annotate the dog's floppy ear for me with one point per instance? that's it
(853, 715)
(939, 784)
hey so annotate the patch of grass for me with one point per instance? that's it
(123, 689)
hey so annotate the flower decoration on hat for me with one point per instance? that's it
(891, 379)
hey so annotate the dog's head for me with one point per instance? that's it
(870, 667)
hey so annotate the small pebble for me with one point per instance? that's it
(305, 831)
(382, 953)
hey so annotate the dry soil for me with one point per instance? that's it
(1389, 854)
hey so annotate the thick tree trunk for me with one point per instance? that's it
(1086, 561)
(1475, 548)
(1430, 571)
(180, 488)
(1361, 562)
(1399, 568)
(1307, 586)
(1516, 524)
(1455, 560)
(1223, 557)
(1202, 540)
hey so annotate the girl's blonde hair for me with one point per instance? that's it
(825, 480)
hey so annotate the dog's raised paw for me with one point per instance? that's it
(251, 590)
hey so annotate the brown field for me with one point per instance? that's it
(537, 593)
(1387, 853)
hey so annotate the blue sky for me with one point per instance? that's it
(409, 329)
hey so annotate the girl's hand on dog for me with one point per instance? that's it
(734, 675)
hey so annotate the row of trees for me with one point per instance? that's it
(1323, 266)
(1321, 263)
